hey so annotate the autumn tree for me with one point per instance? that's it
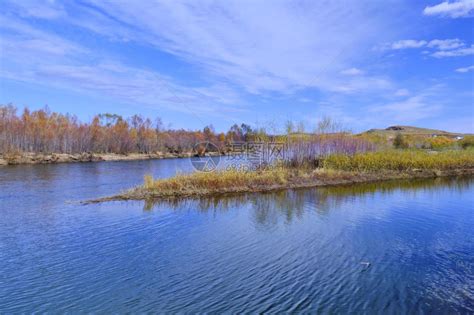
(46, 131)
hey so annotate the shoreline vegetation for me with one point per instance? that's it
(43, 136)
(337, 169)
(326, 155)
(52, 158)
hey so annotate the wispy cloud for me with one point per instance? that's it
(440, 47)
(446, 44)
(455, 53)
(409, 110)
(135, 86)
(421, 105)
(454, 9)
(465, 69)
(23, 40)
(240, 41)
(408, 43)
(440, 44)
(41, 57)
(42, 9)
(233, 41)
(363, 83)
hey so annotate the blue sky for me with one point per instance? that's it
(367, 64)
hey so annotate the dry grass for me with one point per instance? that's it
(203, 183)
(338, 169)
(400, 160)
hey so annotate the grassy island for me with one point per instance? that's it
(338, 169)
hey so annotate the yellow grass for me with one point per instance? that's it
(337, 169)
(401, 160)
(216, 181)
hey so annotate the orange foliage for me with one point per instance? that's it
(46, 131)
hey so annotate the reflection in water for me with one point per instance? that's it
(290, 204)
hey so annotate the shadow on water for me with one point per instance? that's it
(291, 203)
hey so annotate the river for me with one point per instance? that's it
(393, 247)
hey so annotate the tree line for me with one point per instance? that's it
(46, 131)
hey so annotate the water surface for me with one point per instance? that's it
(294, 250)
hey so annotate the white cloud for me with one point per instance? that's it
(134, 86)
(408, 43)
(454, 53)
(254, 45)
(424, 104)
(21, 40)
(42, 10)
(446, 44)
(466, 69)
(409, 110)
(361, 83)
(441, 44)
(42, 58)
(440, 47)
(259, 48)
(455, 9)
(352, 71)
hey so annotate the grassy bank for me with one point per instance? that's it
(337, 169)
(399, 160)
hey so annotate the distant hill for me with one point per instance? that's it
(413, 131)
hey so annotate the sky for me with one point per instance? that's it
(366, 64)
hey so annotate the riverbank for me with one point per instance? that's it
(333, 170)
(51, 158)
